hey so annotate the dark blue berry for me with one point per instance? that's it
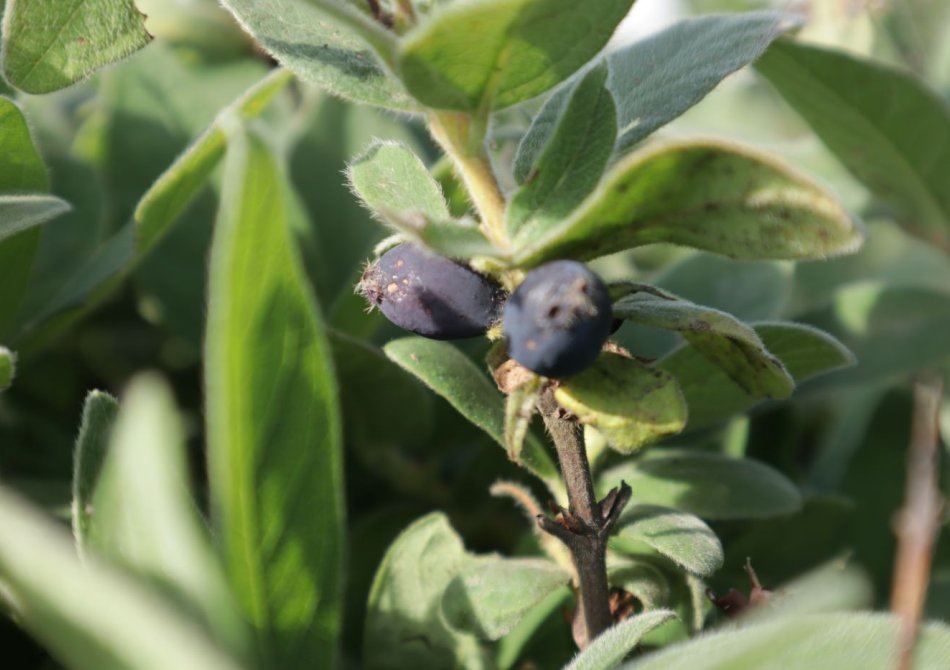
(558, 319)
(431, 295)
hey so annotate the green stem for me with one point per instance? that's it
(462, 136)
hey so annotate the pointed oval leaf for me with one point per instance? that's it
(841, 641)
(657, 79)
(449, 373)
(712, 396)
(405, 602)
(22, 212)
(707, 194)
(496, 53)
(143, 516)
(573, 159)
(7, 368)
(613, 645)
(91, 616)
(50, 44)
(492, 595)
(389, 177)
(95, 430)
(887, 127)
(630, 403)
(728, 343)
(324, 44)
(708, 485)
(681, 537)
(273, 420)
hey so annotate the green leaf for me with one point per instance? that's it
(871, 316)
(310, 39)
(273, 420)
(7, 368)
(181, 183)
(748, 290)
(711, 396)
(519, 410)
(569, 166)
(725, 341)
(389, 177)
(86, 613)
(491, 596)
(657, 79)
(22, 212)
(495, 53)
(840, 641)
(644, 580)
(21, 168)
(613, 645)
(890, 131)
(705, 484)
(143, 516)
(98, 416)
(50, 44)
(405, 603)
(680, 537)
(707, 194)
(449, 373)
(21, 171)
(395, 185)
(630, 403)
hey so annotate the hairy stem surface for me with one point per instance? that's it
(586, 525)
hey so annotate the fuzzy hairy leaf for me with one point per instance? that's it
(657, 79)
(709, 195)
(495, 53)
(613, 645)
(492, 595)
(321, 49)
(708, 485)
(683, 538)
(841, 641)
(727, 342)
(406, 602)
(19, 213)
(389, 177)
(91, 616)
(449, 373)
(519, 410)
(50, 44)
(630, 403)
(891, 131)
(98, 417)
(571, 163)
(143, 515)
(273, 420)
(712, 396)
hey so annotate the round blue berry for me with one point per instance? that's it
(558, 319)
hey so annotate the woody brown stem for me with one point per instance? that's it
(585, 525)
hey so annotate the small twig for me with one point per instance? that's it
(586, 525)
(919, 519)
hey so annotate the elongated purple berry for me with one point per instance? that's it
(431, 295)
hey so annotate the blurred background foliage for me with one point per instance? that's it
(841, 439)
